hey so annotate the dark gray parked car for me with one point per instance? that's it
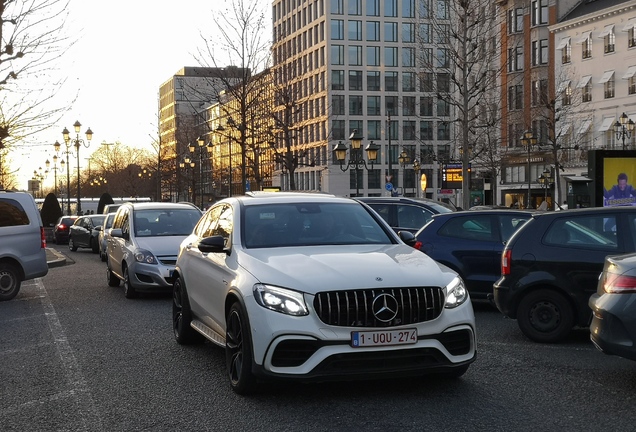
(85, 231)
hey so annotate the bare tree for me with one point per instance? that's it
(32, 42)
(460, 52)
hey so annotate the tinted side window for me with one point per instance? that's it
(205, 227)
(508, 224)
(225, 224)
(412, 216)
(471, 227)
(383, 210)
(587, 231)
(12, 213)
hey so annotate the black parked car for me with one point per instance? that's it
(471, 243)
(60, 231)
(613, 328)
(406, 214)
(550, 267)
(84, 233)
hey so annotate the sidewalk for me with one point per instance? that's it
(55, 258)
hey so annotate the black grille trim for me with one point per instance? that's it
(354, 308)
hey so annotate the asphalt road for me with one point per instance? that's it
(78, 356)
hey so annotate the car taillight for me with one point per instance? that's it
(506, 257)
(418, 245)
(42, 238)
(62, 227)
(619, 284)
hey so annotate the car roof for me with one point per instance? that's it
(406, 200)
(159, 205)
(583, 211)
(484, 212)
(256, 198)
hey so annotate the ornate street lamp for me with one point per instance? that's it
(76, 142)
(404, 159)
(529, 139)
(623, 128)
(356, 161)
(544, 179)
(416, 170)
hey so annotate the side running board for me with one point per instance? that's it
(208, 333)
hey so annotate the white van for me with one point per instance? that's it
(22, 242)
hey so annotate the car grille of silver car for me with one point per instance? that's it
(167, 260)
(379, 307)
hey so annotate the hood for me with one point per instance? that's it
(161, 246)
(320, 268)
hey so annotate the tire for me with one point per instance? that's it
(94, 246)
(9, 281)
(182, 316)
(113, 281)
(545, 316)
(129, 290)
(71, 244)
(238, 351)
(102, 256)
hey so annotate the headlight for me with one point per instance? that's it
(457, 293)
(280, 300)
(144, 256)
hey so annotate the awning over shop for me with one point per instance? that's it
(607, 124)
(584, 36)
(583, 81)
(607, 30)
(564, 84)
(606, 77)
(563, 43)
(631, 71)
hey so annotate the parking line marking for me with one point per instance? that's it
(83, 396)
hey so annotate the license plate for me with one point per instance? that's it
(383, 338)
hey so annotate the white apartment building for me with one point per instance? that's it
(595, 72)
(353, 65)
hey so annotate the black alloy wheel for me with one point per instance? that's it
(129, 290)
(238, 351)
(184, 334)
(545, 316)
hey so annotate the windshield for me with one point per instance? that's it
(310, 224)
(161, 222)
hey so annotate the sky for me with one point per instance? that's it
(124, 51)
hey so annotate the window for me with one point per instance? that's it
(426, 82)
(539, 92)
(337, 29)
(408, 33)
(426, 57)
(373, 81)
(539, 12)
(408, 8)
(443, 83)
(391, 81)
(338, 130)
(355, 7)
(424, 8)
(515, 59)
(375, 176)
(442, 34)
(408, 130)
(443, 9)
(425, 33)
(566, 50)
(540, 52)
(586, 42)
(515, 20)
(373, 105)
(426, 130)
(390, 8)
(390, 56)
(337, 80)
(374, 129)
(443, 60)
(408, 106)
(567, 94)
(586, 90)
(408, 81)
(515, 97)
(373, 31)
(426, 106)
(597, 232)
(355, 80)
(609, 39)
(373, 7)
(355, 105)
(408, 57)
(443, 107)
(608, 81)
(443, 131)
(631, 34)
(474, 227)
(373, 56)
(631, 82)
(355, 125)
(338, 102)
(337, 54)
(337, 7)
(355, 55)
(391, 103)
(355, 30)
(390, 32)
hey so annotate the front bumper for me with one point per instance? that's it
(150, 277)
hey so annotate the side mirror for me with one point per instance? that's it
(214, 243)
(407, 237)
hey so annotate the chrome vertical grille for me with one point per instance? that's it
(355, 308)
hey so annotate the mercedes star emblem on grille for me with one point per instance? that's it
(385, 307)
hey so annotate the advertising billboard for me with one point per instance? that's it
(614, 174)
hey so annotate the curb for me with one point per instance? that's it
(55, 258)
